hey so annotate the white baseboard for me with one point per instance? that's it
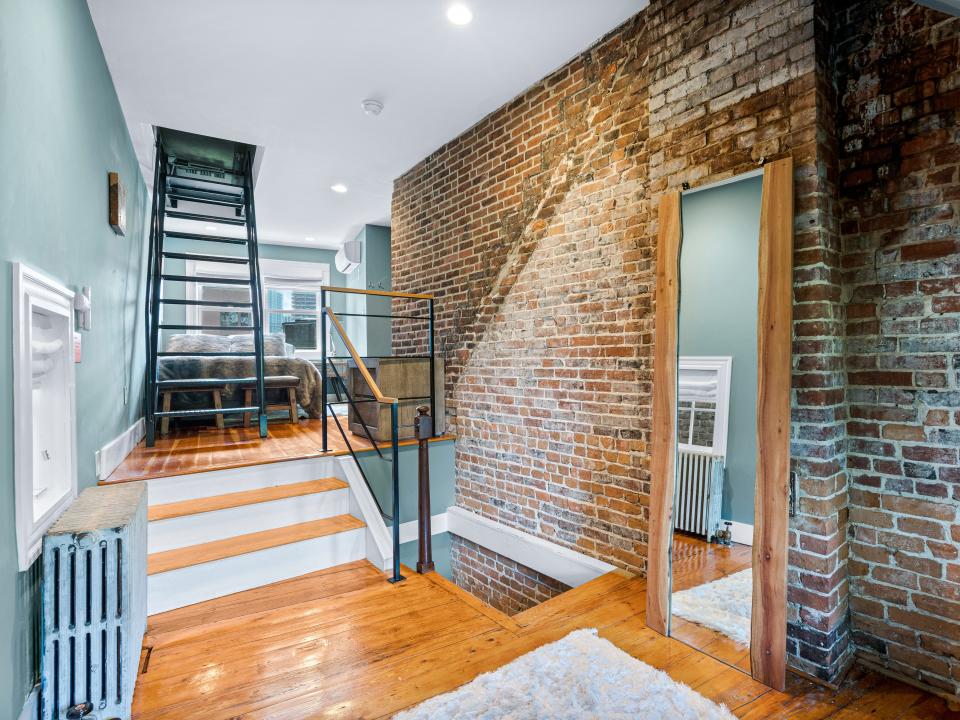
(30, 706)
(109, 457)
(568, 566)
(741, 533)
(409, 530)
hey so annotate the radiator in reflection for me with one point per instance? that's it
(699, 492)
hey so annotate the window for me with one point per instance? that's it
(703, 403)
(295, 313)
(291, 301)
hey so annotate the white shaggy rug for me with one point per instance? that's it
(722, 605)
(581, 677)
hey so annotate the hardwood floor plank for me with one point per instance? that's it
(348, 645)
(268, 666)
(300, 689)
(249, 637)
(568, 602)
(501, 618)
(202, 617)
(194, 450)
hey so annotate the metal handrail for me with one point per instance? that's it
(328, 314)
(379, 293)
(394, 404)
(355, 356)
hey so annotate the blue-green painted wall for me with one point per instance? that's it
(440, 547)
(718, 315)
(441, 478)
(441, 494)
(61, 132)
(371, 336)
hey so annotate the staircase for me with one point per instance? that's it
(217, 533)
(202, 185)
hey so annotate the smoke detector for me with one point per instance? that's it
(372, 107)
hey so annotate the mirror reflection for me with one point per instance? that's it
(711, 592)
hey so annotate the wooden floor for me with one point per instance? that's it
(696, 562)
(199, 450)
(344, 643)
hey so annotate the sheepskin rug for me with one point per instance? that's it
(722, 605)
(581, 677)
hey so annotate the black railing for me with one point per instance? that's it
(330, 371)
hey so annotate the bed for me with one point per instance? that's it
(279, 359)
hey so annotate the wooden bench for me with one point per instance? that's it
(290, 383)
(166, 395)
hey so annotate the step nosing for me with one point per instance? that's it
(220, 550)
(242, 498)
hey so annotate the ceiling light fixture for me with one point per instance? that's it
(211, 228)
(338, 188)
(310, 238)
(372, 107)
(459, 14)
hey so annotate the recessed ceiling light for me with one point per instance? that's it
(309, 238)
(339, 188)
(210, 227)
(459, 14)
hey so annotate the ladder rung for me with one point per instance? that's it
(236, 259)
(203, 382)
(205, 218)
(207, 412)
(201, 179)
(205, 279)
(205, 303)
(247, 328)
(207, 238)
(206, 354)
(179, 183)
(180, 197)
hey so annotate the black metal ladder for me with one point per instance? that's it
(185, 178)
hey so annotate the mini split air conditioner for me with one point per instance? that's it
(349, 256)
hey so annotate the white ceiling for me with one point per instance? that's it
(289, 75)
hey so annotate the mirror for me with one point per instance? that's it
(715, 469)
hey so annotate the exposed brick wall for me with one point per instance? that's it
(547, 382)
(500, 582)
(818, 618)
(899, 71)
(537, 229)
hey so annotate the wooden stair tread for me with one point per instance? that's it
(238, 499)
(168, 560)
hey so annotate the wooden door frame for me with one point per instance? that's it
(768, 637)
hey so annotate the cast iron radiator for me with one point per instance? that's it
(699, 492)
(95, 602)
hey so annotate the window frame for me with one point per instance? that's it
(32, 289)
(721, 366)
(290, 270)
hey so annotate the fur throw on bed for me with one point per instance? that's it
(276, 362)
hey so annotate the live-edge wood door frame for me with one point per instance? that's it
(768, 635)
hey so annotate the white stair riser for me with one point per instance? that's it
(199, 485)
(186, 586)
(219, 524)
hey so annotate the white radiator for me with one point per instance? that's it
(95, 602)
(699, 492)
